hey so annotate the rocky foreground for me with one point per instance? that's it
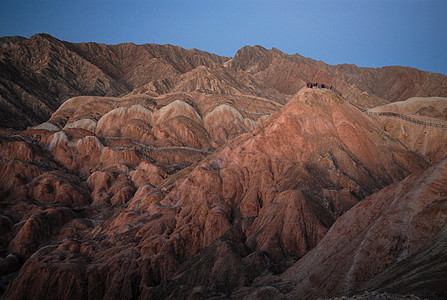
(185, 175)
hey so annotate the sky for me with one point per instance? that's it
(367, 33)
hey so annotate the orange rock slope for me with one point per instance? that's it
(38, 74)
(420, 122)
(99, 205)
(395, 242)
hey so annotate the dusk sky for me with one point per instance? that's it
(368, 33)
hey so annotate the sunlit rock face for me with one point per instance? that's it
(419, 122)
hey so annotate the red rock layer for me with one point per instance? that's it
(420, 123)
(38, 74)
(395, 242)
(247, 211)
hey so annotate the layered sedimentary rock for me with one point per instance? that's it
(157, 172)
(395, 242)
(421, 123)
(365, 87)
(244, 214)
(38, 74)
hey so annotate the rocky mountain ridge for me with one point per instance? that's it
(96, 201)
(38, 74)
(176, 174)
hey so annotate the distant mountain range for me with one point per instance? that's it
(38, 74)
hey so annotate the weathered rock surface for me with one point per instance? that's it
(38, 74)
(395, 243)
(224, 123)
(377, 296)
(433, 107)
(288, 73)
(61, 180)
(177, 173)
(245, 213)
(258, 181)
(110, 131)
(421, 123)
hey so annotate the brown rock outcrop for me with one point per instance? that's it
(38, 230)
(115, 121)
(38, 74)
(224, 123)
(288, 73)
(146, 173)
(173, 123)
(8, 41)
(418, 122)
(394, 243)
(275, 170)
(56, 187)
(91, 147)
(109, 188)
(171, 132)
(244, 213)
(127, 197)
(28, 173)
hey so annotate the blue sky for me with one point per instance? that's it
(368, 33)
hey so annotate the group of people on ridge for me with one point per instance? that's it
(316, 85)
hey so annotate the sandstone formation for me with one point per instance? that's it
(225, 123)
(66, 176)
(434, 107)
(8, 41)
(240, 217)
(288, 73)
(395, 242)
(417, 122)
(40, 73)
(155, 172)
(259, 180)
(108, 131)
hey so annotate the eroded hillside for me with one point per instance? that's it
(38, 74)
(102, 194)
(155, 172)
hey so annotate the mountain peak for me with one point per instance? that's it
(251, 50)
(45, 36)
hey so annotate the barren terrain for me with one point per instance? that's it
(155, 172)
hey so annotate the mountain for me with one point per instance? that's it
(38, 74)
(288, 73)
(114, 210)
(407, 257)
(417, 122)
(8, 41)
(156, 172)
